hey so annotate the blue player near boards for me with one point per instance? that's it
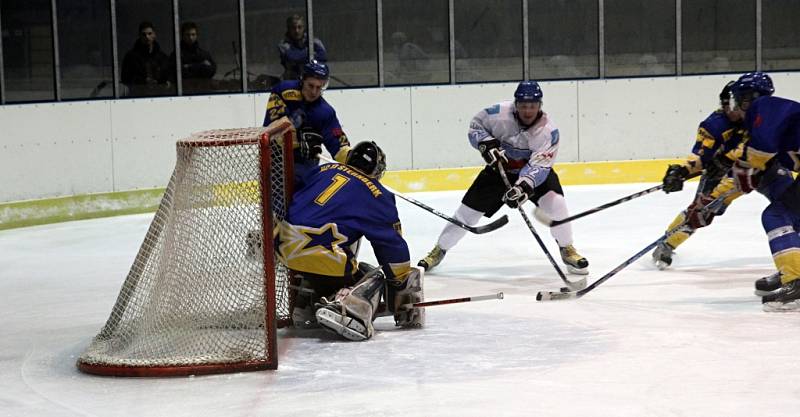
(313, 118)
(769, 155)
(319, 240)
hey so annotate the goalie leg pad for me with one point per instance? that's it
(352, 310)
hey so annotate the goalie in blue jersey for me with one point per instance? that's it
(319, 240)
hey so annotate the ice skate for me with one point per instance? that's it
(785, 299)
(576, 264)
(433, 258)
(766, 285)
(662, 255)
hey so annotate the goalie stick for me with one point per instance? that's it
(498, 296)
(574, 285)
(544, 219)
(478, 230)
(384, 312)
(568, 295)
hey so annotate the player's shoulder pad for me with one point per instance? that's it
(288, 90)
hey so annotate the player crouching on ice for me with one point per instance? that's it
(319, 239)
(524, 139)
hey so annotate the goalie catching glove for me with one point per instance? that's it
(518, 194)
(310, 144)
(492, 153)
(674, 178)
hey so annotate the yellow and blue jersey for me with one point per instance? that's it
(714, 134)
(327, 217)
(773, 126)
(285, 99)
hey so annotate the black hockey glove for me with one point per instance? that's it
(718, 167)
(674, 178)
(310, 144)
(491, 152)
(518, 194)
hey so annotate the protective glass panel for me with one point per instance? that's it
(348, 35)
(563, 39)
(266, 33)
(210, 48)
(639, 37)
(718, 36)
(27, 50)
(86, 70)
(488, 43)
(416, 45)
(145, 39)
(780, 37)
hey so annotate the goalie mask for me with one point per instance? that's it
(368, 158)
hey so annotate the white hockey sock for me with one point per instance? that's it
(452, 233)
(555, 206)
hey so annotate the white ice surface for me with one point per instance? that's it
(690, 341)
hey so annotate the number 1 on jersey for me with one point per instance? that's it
(338, 181)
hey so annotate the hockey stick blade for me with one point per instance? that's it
(553, 295)
(488, 227)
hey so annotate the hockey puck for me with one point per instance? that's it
(564, 289)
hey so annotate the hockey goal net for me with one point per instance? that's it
(204, 295)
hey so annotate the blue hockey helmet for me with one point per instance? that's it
(528, 91)
(316, 69)
(752, 85)
(368, 158)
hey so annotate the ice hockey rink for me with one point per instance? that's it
(689, 341)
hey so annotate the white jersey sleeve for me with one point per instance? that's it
(531, 151)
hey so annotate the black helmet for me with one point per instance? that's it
(368, 158)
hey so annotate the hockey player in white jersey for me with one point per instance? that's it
(524, 139)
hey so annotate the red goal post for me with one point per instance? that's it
(199, 299)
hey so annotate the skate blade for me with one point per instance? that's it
(577, 271)
(778, 307)
(762, 293)
(345, 326)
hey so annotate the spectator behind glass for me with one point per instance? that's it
(144, 68)
(294, 48)
(197, 65)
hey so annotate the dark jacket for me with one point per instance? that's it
(195, 62)
(141, 66)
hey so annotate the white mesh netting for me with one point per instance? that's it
(196, 299)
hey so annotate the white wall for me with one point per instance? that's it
(61, 149)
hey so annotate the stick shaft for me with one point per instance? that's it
(498, 296)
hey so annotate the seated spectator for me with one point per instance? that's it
(195, 61)
(294, 48)
(145, 66)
